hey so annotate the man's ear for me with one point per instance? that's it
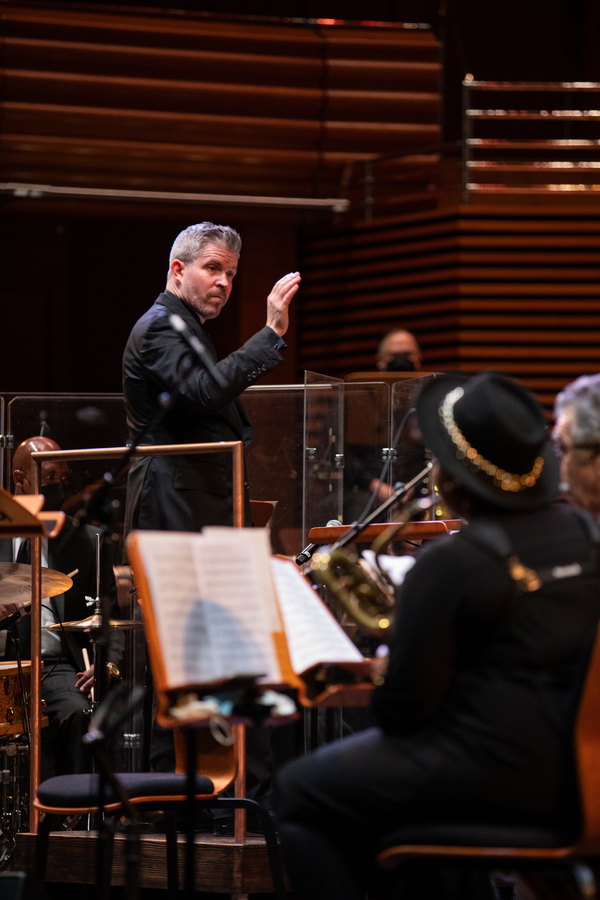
(19, 478)
(176, 270)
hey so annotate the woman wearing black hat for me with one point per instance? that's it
(492, 637)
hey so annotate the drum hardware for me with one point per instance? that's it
(94, 623)
(14, 782)
(15, 582)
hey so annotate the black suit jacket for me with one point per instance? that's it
(185, 493)
(69, 551)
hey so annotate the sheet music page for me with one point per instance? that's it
(313, 635)
(213, 603)
(170, 569)
(240, 608)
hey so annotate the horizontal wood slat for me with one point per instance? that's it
(333, 93)
(487, 287)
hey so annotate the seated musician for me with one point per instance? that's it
(67, 680)
(577, 441)
(476, 711)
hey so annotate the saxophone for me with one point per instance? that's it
(367, 598)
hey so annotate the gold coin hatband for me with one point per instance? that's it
(467, 454)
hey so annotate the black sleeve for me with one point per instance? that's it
(167, 360)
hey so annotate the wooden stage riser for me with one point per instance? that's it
(221, 866)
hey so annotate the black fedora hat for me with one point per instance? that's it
(490, 434)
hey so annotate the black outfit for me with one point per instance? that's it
(185, 493)
(476, 713)
(65, 704)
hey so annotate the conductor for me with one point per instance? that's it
(184, 493)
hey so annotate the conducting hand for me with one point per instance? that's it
(278, 302)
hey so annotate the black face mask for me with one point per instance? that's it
(55, 496)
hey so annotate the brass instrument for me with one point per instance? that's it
(368, 599)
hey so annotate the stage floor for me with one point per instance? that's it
(221, 866)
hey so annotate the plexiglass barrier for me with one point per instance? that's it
(323, 451)
(366, 447)
(410, 455)
(274, 459)
(74, 421)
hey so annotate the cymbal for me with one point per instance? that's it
(94, 623)
(15, 582)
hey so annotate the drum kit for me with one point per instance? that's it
(15, 683)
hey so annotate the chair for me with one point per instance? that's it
(69, 795)
(493, 846)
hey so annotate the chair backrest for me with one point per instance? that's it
(587, 752)
(214, 760)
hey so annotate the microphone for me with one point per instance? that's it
(310, 548)
(197, 348)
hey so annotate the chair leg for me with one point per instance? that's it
(270, 838)
(41, 850)
(104, 858)
(172, 861)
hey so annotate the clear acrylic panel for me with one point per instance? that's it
(367, 424)
(274, 459)
(74, 421)
(323, 451)
(411, 456)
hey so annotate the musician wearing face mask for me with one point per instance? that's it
(67, 679)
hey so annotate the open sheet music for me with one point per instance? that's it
(218, 606)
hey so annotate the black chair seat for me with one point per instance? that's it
(480, 835)
(75, 791)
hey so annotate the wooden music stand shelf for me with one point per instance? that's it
(415, 531)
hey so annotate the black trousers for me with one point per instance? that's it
(63, 752)
(335, 805)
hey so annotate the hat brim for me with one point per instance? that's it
(476, 481)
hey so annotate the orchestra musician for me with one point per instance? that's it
(576, 437)
(66, 680)
(475, 712)
(398, 351)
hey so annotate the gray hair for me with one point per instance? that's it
(583, 396)
(190, 243)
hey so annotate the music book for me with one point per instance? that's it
(218, 607)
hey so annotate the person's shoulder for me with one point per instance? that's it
(449, 551)
(152, 325)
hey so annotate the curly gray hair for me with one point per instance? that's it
(189, 244)
(583, 396)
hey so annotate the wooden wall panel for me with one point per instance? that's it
(192, 103)
(481, 287)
